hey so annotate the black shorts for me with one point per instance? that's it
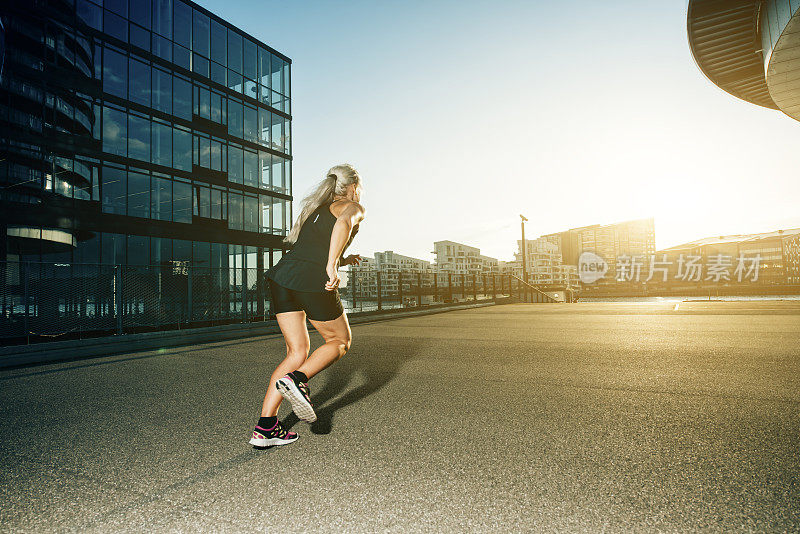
(318, 305)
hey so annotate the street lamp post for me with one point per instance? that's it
(524, 262)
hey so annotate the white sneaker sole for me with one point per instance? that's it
(271, 442)
(300, 405)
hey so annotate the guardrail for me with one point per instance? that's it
(531, 293)
(45, 301)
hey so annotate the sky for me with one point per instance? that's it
(461, 115)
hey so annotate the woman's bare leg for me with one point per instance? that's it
(337, 336)
(293, 327)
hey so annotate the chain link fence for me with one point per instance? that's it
(52, 301)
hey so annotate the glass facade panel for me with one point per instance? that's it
(162, 144)
(115, 73)
(201, 34)
(115, 131)
(138, 194)
(162, 91)
(250, 124)
(138, 138)
(113, 190)
(234, 51)
(251, 171)
(182, 149)
(162, 17)
(182, 202)
(162, 198)
(139, 82)
(182, 24)
(140, 13)
(181, 98)
(250, 213)
(219, 43)
(235, 164)
(115, 26)
(235, 118)
(236, 211)
(250, 60)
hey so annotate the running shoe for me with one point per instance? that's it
(267, 437)
(296, 392)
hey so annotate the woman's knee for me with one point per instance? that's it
(297, 353)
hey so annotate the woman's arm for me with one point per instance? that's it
(352, 214)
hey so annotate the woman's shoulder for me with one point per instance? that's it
(337, 207)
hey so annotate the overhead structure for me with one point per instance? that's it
(749, 48)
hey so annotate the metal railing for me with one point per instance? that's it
(42, 301)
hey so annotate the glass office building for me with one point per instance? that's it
(141, 133)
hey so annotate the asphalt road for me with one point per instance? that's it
(523, 417)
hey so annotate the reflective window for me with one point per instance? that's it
(115, 73)
(204, 151)
(115, 131)
(140, 82)
(218, 108)
(235, 164)
(202, 198)
(218, 155)
(219, 73)
(235, 118)
(219, 43)
(201, 34)
(264, 216)
(161, 198)
(162, 17)
(182, 98)
(235, 81)
(250, 213)
(235, 211)
(278, 210)
(217, 209)
(140, 37)
(138, 250)
(264, 164)
(90, 14)
(181, 56)
(181, 149)
(251, 89)
(251, 171)
(138, 138)
(277, 74)
(162, 91)
(277, 132)
(202, 102)
(162, 47)
(162, 144)
(263, 126)
(250, 124)
(234, 51)
(250, 60)
(120, 7)
(140, 13)
(138, 194)
(278, 183)
(113, 190)
(264, 72)
(200, 65)
(182, 24)
(182, 202)
(115, 26)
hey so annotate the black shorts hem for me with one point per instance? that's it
(318, 305)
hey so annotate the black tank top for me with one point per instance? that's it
(303, 267)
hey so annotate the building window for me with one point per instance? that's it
(113, 190)
(115, 73)
(138, 194)
(115, 131)
(182, 201)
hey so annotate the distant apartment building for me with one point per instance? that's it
(390, 266)
(458, 258)
(543, 264)
(609, 241)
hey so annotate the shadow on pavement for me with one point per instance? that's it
(375, 370)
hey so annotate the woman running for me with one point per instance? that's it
(305, 283)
